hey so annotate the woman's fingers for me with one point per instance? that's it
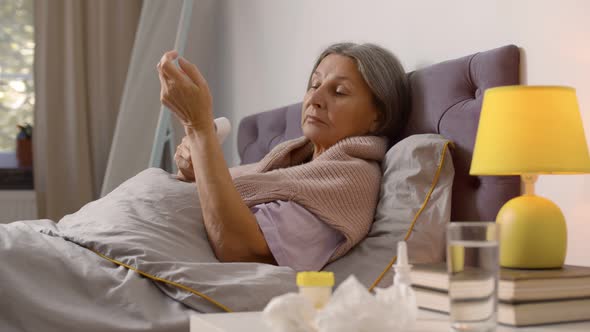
(168, 85)
(172, 73)
(170, 70)
(188, 97)
(192, 72)
(184, 163)
(167, 57)
(173, 54)
(183, 152)
(163, 85)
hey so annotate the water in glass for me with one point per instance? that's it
(473, 283)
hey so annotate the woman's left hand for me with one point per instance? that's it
(184, 162)
(185, 92)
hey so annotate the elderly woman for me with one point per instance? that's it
(124, 262)
(311, 199)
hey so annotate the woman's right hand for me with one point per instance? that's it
(183, 161)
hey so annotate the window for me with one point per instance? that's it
(17, 95)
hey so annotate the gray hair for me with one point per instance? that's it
(387, 80)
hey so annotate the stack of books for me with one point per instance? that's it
(526, 297)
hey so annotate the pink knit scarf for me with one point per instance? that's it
(341, 186)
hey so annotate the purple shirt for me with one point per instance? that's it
(295, 236)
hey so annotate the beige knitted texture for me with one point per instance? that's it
(341, 186)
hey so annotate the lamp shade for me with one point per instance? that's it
(530, 129)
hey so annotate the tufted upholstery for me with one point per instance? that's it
(446, 99)
(259, 133)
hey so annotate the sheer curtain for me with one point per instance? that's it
(82, 53)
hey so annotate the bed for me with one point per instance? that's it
(127, 262)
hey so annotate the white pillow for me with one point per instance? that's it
(415, 190)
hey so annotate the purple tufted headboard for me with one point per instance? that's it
(446, 99)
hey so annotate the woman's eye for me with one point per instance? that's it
(340, 92)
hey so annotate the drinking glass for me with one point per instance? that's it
(473, 267)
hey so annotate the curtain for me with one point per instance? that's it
(82, 51)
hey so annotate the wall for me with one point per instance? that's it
(267, 47)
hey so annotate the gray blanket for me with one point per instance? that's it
(108, 266)
(138, 259)
(49, 284)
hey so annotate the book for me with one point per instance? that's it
(516, 314)
(526, 297)
(517, 285)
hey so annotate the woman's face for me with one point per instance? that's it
(338, 104)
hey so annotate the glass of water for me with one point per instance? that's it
(473, 266)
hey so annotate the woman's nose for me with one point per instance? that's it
(317, 98)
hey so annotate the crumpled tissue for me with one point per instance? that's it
(402, 303)
(351, 309)
(290, 312)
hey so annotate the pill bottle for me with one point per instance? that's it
(316, 287)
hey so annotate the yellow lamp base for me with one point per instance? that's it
(533, 233)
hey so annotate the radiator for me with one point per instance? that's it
(17, 205)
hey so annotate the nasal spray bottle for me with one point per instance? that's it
(400, 297)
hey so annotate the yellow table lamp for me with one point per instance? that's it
(526, 131)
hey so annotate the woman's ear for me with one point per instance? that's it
(375, 125)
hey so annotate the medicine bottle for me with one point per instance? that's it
(316, 287)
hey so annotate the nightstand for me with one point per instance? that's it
(428, 321)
